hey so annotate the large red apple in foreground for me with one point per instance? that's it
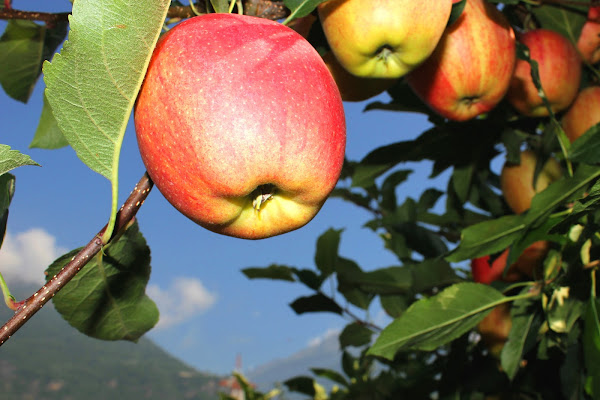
(471, 68)
(383, 38)
(583, 113)
(240, 125)
(559, 67)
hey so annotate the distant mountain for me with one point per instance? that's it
(49, 360)
(326, 354)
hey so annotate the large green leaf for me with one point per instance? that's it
(432, 322)
(11, 159)
(23, 48)
(326, 254)
(107, 298)
(93, 83)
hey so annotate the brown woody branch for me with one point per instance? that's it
(271, 9)
(34, 303)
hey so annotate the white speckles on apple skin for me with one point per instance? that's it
(241, 121)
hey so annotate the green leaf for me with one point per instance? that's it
(487, 237)
(394, 305)
(591, 347)
(280, 272)
(301, 8)
(432, 273)
(48, 135)
(106, 299)
(7, 191)
(326, 254)
(431, 322)
(315, 303)
(524, 330)
(365, 174)
(301, 384)
(355, 334)
(93, 83)
(564, 19)
(587, 147)
(11, 159)
(23, 48)
(331, 375)
(388, 188)
(220, 6)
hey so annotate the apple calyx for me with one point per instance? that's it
(384, 52)
(262, 194)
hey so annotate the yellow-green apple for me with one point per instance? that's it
(588, 42)
(240, 125)
(352, 87)
(383, 38)
(559, 65)
(517, 180)
(495, 327)
(583, 113)
(470, 70)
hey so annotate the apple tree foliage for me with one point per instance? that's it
(431, 348)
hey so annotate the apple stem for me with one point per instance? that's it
(26, 309)
(261, 195)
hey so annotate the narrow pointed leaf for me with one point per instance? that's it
(432, 322)
(280, 272)
(315, 303)
(301, 8)
(355, 334)
(7, 190)
(11, 159)
(326, 254)
(107, 298)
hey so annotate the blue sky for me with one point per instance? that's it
(210, 310)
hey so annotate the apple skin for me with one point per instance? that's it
(240, 125)
(485, 273)
(354, 88)
(559, 65)
(516, 180)
(583, 113)
(383, 38)
(470, 70)
(529, 264)
(588, 42)
(495, 328)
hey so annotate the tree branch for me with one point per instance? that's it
(270, 9)
(34, 303)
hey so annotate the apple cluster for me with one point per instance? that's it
(461, 68)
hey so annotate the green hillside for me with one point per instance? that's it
(49, 360)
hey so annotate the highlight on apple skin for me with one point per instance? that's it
(383, 38)
(559, 65)
(240, 125)
(470, 70)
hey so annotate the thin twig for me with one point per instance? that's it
(34, 303)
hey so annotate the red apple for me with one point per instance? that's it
(240, 125)
(588, 42)
(559, 67)
(517, 180)
(583, 113)
(484, 272)
(495, 328)
(528, 265)
(470, 69)
(383, 38)
(352, 87)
